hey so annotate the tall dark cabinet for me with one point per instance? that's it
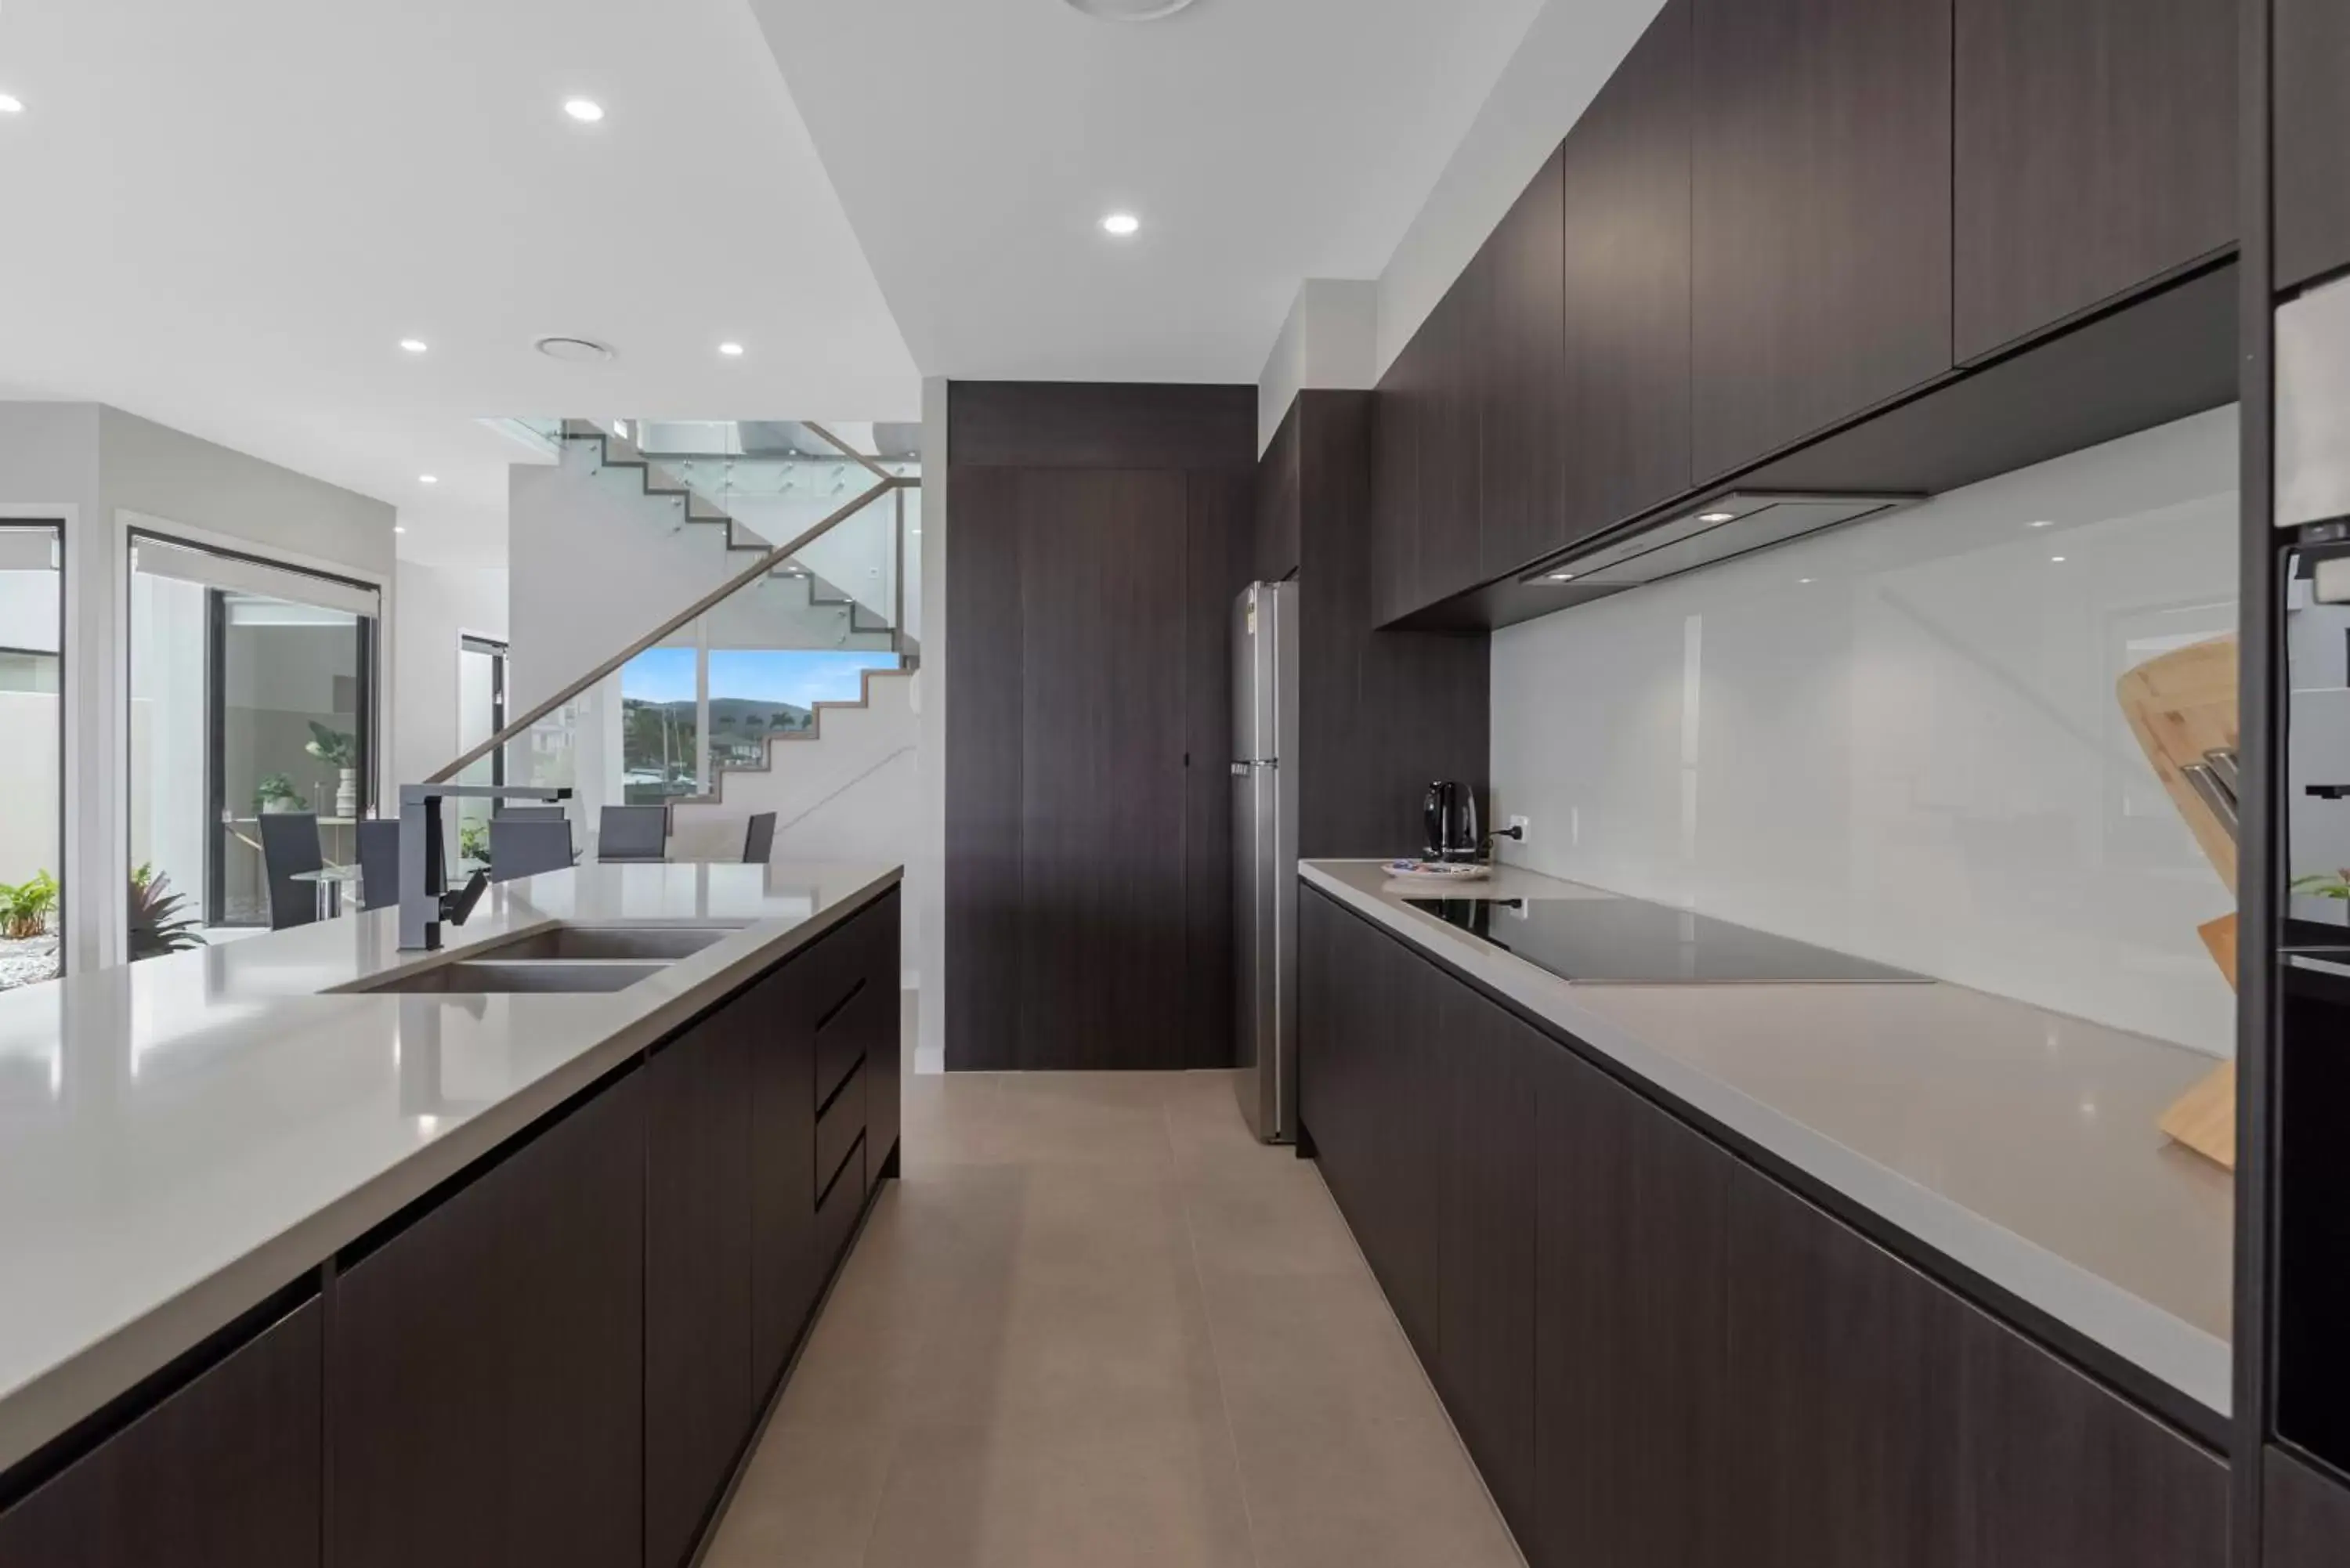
(1516, 302)
(2095, 148)
(2309, 56)
(1098, 537)
(1821, 258)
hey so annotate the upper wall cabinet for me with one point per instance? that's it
(1398, 410)
(1450, 493)
(1518, 339)
(1822, 259)
(2096, 149)
(2309, 48)
(1624, 412)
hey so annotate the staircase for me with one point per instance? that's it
(796, 608)
(843, 788)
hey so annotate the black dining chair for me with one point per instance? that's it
(626, 833)
(378, 862)
(289, 845)
(759, 838)
(522, 848)
(533, 813)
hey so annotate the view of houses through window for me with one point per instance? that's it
(748, 696)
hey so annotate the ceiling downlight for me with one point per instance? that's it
(1128, 10)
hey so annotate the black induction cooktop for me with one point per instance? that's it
(1628, 941)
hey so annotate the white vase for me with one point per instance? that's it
(346, 794)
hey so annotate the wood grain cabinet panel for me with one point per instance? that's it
(1398, 410)
(1623, 424)
(2095, 149)
(1450, 479)
(2060, 1474)
(782, 1074)
(1485, 1362)
(1821, 270)
(2305, 1516)
(485, 1367)
(1840, 1395)
(2309, 53)
(1630, 1349)
(223, 1473)
(885, 1047)
(1517, 349)
(698, 1273)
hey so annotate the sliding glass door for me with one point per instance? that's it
(32, 753)
(253, 695)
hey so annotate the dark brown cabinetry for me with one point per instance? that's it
(1658, 1353)
(1399, 421)
(1630, 1264)
(223, 1473)
(2306, 1515)
(2309, 55)
(1821, 259)
(485, 1366)
(1485, 1335)
(1515, 353)
(1623, 425)
(2095, 149)
(1100, 537)
(785, 1273)
(698, 1268)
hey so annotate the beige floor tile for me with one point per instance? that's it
(808, 1501)
(1315, 1345)
(1278, 1220)
(1325, 1491)
(1139, 1495)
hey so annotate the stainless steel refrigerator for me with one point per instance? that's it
(1265, 855)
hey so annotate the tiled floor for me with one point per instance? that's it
(1096, 1324)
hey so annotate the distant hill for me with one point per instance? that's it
(732, 715)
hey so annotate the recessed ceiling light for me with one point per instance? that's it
(1128, 10)
(574, 350)
(1717, 516)
(1121, 224)
(413, 345)
(400, 527)
(585, 109)
(10, 105)
(427, 479)
(1802, 579)
(2045, 522)
(2056, 560)
(1561, 576)
(732, 350)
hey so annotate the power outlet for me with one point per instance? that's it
(1522, 827)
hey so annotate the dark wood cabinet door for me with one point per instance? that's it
(782, 1076)
(485, 1366)
(884, 1047)
(697, 1358)
(1449, 481)
(2096, 149)
(1631, 1239)
(2060, 1474)
(2309, 54)
(2304, 1516)
(1216, 568)
(1840, 1404)
(1405, 1020)
(224, 1473)
(1397, 412)
(1623, 427)
(1485, 1362)
(1820, 271)
(1516, 343)
(1103, 785)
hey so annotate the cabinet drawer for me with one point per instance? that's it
(840, 1040)
(840, 1126)
(836, 1216)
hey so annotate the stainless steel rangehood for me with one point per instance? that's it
(1718, 529)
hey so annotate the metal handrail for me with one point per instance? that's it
(700, 607)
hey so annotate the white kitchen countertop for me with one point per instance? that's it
(2019, 1143)
(180, 1139)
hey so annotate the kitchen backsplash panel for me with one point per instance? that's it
(1902, 740)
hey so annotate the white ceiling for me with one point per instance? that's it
(225, 215)
(976, 144)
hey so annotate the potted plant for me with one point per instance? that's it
(159, 921)
(341, 752)
(24, 908)
(275, 792)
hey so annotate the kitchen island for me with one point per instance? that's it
(1823, 1270)
(282, 1198)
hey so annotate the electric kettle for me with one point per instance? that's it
(1449, 815)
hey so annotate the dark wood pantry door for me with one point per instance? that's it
(1102, 768)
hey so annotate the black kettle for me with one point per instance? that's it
(1450, 813)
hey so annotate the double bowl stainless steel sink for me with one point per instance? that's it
(561, 958)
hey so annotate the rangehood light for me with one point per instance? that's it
(1561, 576)
(1717, 516)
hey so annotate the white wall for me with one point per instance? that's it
(1915, 755)
(1329, 341)
(436, 606)
(1571, 50)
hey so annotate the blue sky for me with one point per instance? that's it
(801, 677)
